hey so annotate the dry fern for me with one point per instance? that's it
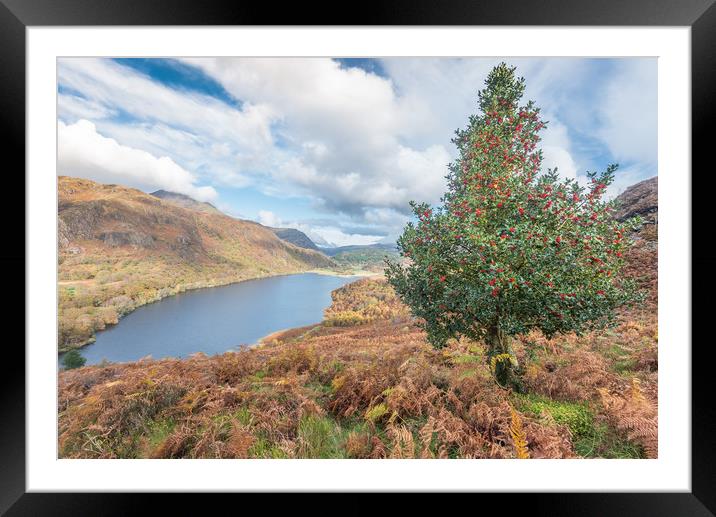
(519, 437)
(634, 415)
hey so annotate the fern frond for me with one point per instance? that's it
(519, 437)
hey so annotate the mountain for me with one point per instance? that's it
(295, 237)
(185, 201)
(378, 247)
(291, 235)
(120, 248)
(368, 257)
(640, 199)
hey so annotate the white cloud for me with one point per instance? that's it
(268, 218)
(336, 237)
(555, 147)
(322, 235)
(346, 131)
(82, 151)
(76, 107)
(198, 131)
(628, 111)
(624, 178)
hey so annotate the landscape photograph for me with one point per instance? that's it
(357, 258)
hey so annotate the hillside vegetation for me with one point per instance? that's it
(366, 384)
(366, 258)
(120, 248)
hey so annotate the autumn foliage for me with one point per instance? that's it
(373, 389)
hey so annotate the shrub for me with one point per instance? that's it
(73, 359)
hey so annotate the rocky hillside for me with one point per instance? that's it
(641, 199)
(120, 248)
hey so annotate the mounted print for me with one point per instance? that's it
(365, 258)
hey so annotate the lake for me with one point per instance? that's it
(216, 319)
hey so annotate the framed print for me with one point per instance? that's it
(399, 256)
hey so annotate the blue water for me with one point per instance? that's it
(216, 319)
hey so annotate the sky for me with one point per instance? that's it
(334, 147)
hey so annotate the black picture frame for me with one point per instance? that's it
(700, 15)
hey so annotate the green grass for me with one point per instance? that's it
(604, 442)
(243, 415)
(321, 437)
(590, 438)
(263, 448)
(159, 430)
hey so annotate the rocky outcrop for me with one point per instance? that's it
(115, 239)
(640, 199)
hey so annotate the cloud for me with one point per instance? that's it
(346, 132)
(198, 131)
(555, 147)
(82, 151)
(628, 111)
(77, 107)
(336, 237)
(626, 177)
(326, 235)
(268, 218)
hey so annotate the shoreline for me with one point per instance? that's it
(358, 272)
(91, 340)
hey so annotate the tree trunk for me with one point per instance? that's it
(503, 361)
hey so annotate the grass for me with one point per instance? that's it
(591, 438)
(320, 437)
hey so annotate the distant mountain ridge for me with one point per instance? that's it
(295, 237)
(331, 252)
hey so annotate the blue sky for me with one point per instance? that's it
(333, 147)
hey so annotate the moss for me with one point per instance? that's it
(577, 416)
(466, 359)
